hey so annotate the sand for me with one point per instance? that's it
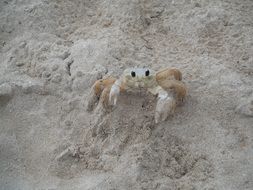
(51, 52)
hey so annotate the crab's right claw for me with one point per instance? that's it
(114, 93)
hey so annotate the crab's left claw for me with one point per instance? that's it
(165, 106)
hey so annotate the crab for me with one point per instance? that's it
(165, 84)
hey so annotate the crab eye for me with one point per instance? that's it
(147, 73)
(133, 74)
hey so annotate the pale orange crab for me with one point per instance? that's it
(165, 84)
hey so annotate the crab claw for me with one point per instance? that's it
(165, 105)
(114, 93)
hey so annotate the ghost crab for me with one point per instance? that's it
(165, 84)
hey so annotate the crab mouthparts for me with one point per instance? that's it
(140, 84)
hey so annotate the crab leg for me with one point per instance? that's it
(100, 92)
(170, 79)
(171, 90)
(168, 74)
